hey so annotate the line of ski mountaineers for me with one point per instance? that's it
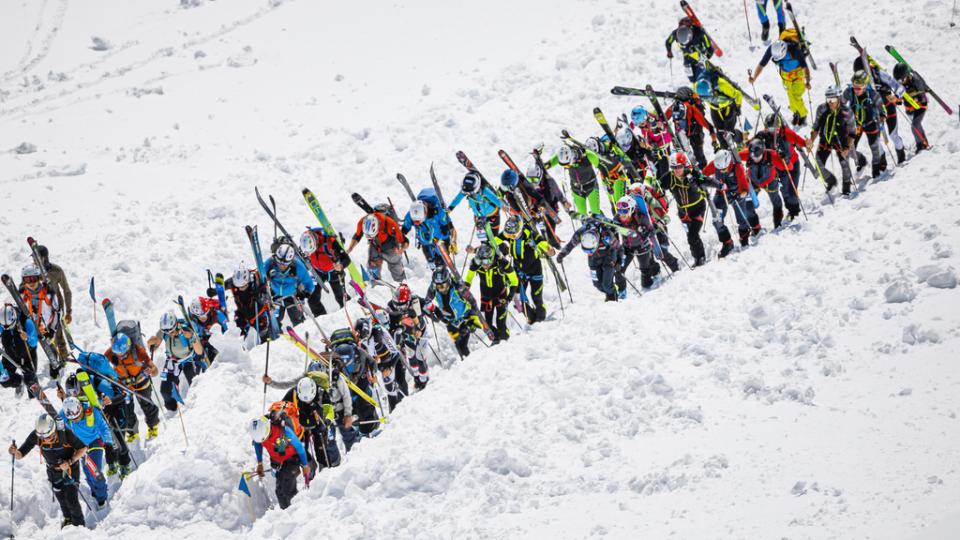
(650, 156)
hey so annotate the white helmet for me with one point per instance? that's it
(72, 408)
(196, 308)
(566, 155)
(370, 226)
(308, 242)
(241, 277)
(418, 211)
(592, 144)
(625, 139)
(722, 160)
(626, 205)
(8, 316)
(533, 171)
(306, 389)
(168, 321)
(382, 317)
(30, 270)
(45, 426)
(285, 254)
(778, 50)
(259, 429)
(589, 241)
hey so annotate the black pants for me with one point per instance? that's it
(150, 411)
(696, 141)
(292, 308)
(326, 453)
(692, 218)
(728, 122)
(366, 413)
(495, 313)
(648, 266)
(335, 280)
(16, 379)
(461, 337)
(169, 386)
(115, 414)
(531, 287)
(287, 474)
(823, 154)
(606, 277)
(916, 127)
(66, 490)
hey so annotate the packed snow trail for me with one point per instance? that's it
(775, 394)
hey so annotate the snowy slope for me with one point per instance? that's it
(777, 394)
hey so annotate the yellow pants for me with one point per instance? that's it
(795, 83)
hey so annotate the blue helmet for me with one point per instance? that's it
(121, 344)
(347, 355)
(509, 179)
(638, 115)
(704, 88)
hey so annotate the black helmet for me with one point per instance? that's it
(901, 71)
(363, 327)
(772, 121)
(485, 255)
(684, 93)
(471, 183)
(441, 278)
(757, 148)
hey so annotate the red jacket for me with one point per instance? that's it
(387, 230)
(795, 141)
(768, 173)
(742, 186)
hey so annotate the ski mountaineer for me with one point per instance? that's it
(765, 20)
(604, 253)
(694, 44)
(288, 458)
(61, 451)
(311, 395)
(687, 186)
(44, 308)
(483, 200)
(916, 87)
(250, 305)
(498, 284)
(652, 134)
(652, 201)
(376, 340)
(386, 242)
(548, 198)
(409, 328)
(833, 124)
(432, 224)
(579, 165)
(687, 114)
(866, 106)
(735, 193)
(183, 354)
(204, 313)
(723, 99)
(450, 307)
(614, 177)
(19, 340)
(787, 54)
(639, 242)
(82, 381)
(57, 282)
(328, 259)
(290, 282)
(358, 367)
(134, 369)
(766, 170)
(785, 142)
(89, 425)
(891, 91)
(527, 249)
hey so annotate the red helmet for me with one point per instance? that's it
(402, 294)
(678, 159)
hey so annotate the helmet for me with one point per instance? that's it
(901, 71)
(484, 255)
(626, 205)
(45, 426)
(679, 111)
(637, 189)
(315, 366)
(441, 278)
(168, 321)
(832, 92)
(30, 271)
(703, 88)
(72, 408)
(756, 148)
(574, 154)
(678, 160)
(370, 226)
(859, 78)
(684, 93)
(121, 344)
(471, 183)
(402, 294)
(8, 316)
(347, 355)
(196, 308)
(259, 429)
(285, 253)
(778, 50)
(308, 242)
(772, 120)
(241, 277)
(593, 144)
(512, 227)
(509, 179)
(684, 35)
(363, 328)
(306, 389)
(533, 173)
(722, 160)
(625, 139)
(589, 240)
(381, 316)
(638, 115)
(418, 211)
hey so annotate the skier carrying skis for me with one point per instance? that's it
(44, 308)
(548, 199)
(498, 284)
(765, 20)
(650, 196)
(19, 340)
(287, 456)
(694, 44)
(386, 242)
(891, 91)
(250, 305)
(604, 253)
(833, 124)
(57, 282)
(785, 142)
(432, 224)
(527, 249)
(62, 452)
(89, 425)
(653, 135)
(639, 242)
(916, 87)
(134, 368)
(787, 53)
(687, 115)
(865, 105)
(735, 192)
(290, 282)
(483, 200)
(764, 169)
(328, 259)
(687, 186)
(613, 171)
(204, 313)
(311, 396)
(450, 307)
(379, 344)
(579, 165)
(723, 99)
(409, 327)
(183, 352)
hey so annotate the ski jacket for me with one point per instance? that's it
(688, 118)
(454, 309)
(282, 444)
(526, 250)
(698, 47)
(867, 109)
(765, 171)
(13, 343)
(132, 369)
(389, 235)
(789, 64)
(91, 428)
(57, 281)
(286, 283)
(97, 362)
(734, 180)
(436, 227)
(328, 252)
(498, 281)
(484, 203)
(686, 189)
(56, 451)
(836, 128)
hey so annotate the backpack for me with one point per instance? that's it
(429, 196)
(342, 336)
(387, 209)
(290, 409)
(790, 35)
(132, 330)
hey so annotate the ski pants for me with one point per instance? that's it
(534, 284)
(169, 389)
(762, 11)
(727, 121)
(696, 141)
(27, 378)
(66, 490)
(495, 312)
(591, 199)
(335, 280)
(823, 153)
(292, 307)
(59, 343)
(606, 277)
(773, 192)
(116, 416)
(743, 212)
(326, 453)
(460, 333)
(916, 125)
(348, 435)
(287, 474)
(366, 415)
(648, 265)
(795, 83)
(378, 254)
(692, 219)
(873, 140)
(93, 471)
(151, 412)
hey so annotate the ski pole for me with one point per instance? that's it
(266, 371)
(566, 280)
(473, 230)
(747, 17)
(13, 472)
(953, 14)
(93, 296)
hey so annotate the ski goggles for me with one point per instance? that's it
(31, 279)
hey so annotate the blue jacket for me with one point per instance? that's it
(99, 362)
(285, 283)
(297, 445)
(454, 303)
(30, 329)
(436, 227)
(483, 204)
(90, 427)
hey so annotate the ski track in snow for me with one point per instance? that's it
(804, 388)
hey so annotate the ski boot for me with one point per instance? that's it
(861, 161)
(112, 469)
(132, 437)
(845, 191)
(700, 261)
(726, 249)
(876, 170)
(765, 32)
(124, 471)
(901, 156)
(152, 432)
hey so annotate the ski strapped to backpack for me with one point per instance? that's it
(406, 186)
(327, 227)
(271, 212)
(696, 22)
(801, 35)
(628, 91)
(813, 167)
(896, 54)
(273, 323)
(48, 349)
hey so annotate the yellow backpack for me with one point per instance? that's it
(790, 34)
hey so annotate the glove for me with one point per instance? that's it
(260, 470)
(572, 213)
(716, 145)
(452, 248)
(669, 54)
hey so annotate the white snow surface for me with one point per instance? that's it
(807, 387)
